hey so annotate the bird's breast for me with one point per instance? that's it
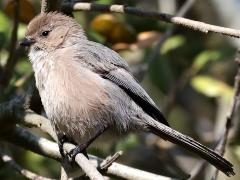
(74, 99)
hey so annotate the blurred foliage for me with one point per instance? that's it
(199, 67)
(26, 9)
(211, 87)
(172, 43)
(114, 30)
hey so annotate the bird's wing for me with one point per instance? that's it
(112, 67)
(125, 81)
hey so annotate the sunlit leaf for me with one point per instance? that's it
(211, 87)
(21, 31)
(4, 23)
(4, 55)
(205, 57)
(4, 29)
(172, 43)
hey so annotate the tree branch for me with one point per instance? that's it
(31, 119)
(229, 119)
(49, 5)
(141, 69)
(195, 25)
(6, 158)
(42, 146)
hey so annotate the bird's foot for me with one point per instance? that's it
(79, 149)
(61, 140)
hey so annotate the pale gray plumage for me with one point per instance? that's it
(85, 87)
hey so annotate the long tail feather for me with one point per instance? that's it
(186, 142)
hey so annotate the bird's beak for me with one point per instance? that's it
(27, 42)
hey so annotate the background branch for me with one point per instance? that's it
(229, 119)
(191, 24)
(6, 158)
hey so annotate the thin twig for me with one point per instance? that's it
(110, 159)
(42, 146)
(6, 158)
(49, 5)
(195, 25)
(229, 119)
(44, 6)
(119, 170)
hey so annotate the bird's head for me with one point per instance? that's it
(50, 31)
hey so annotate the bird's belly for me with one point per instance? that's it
(76, 106)
(78, 124)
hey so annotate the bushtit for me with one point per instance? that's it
(86, 89)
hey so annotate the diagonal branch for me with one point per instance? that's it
(192, 24)
(6, 158)
(229, 119)
(31, 119)
(42, 146)
(22, 137)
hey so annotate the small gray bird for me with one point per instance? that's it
(87, 89)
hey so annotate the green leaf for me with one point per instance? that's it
(204, 57)
(4, 29)
(211, 87)
(172, 43)
(4, 23)
(21, 30)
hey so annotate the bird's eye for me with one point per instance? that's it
(45, 33)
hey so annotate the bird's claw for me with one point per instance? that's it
(73, 153)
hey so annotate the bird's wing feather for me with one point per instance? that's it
(126, 82)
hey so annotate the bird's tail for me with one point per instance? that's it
(186, 142)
